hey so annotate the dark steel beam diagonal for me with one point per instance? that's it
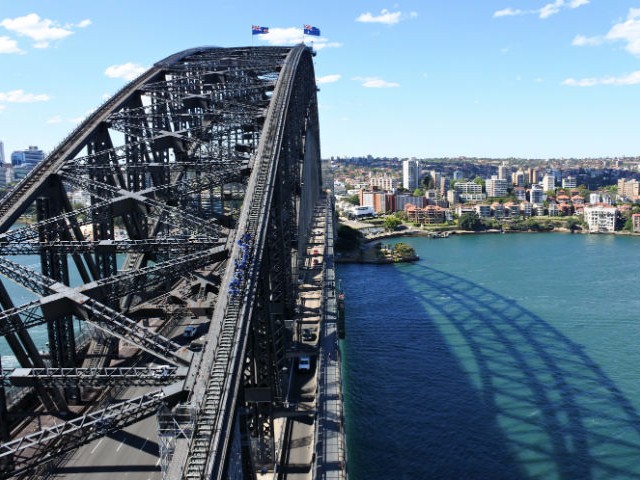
(177, 245)
(60, 299)
(20, 197)
(40, 447)
(95, 377)
(170, 215)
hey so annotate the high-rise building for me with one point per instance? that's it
(29, 158)
(628, 188)
(504, 171)
(411, 174)
(518, 179)
(1, 153)
(536, 194)
(496, 187)
(549, 183)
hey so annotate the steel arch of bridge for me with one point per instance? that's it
(210, 164)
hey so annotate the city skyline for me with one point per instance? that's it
(526, 79)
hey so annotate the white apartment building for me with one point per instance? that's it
(600, 218)
(536, 194)
(411, 174)
(569, 182)
(549, 183)
(470, 192)
(496, 187)
(386, 183)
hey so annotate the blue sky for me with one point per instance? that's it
(423, 78)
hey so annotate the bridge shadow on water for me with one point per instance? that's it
(504, 393)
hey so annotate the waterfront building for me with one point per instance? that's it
(1, 153)
(470, 192)
(461, 209)
(526, 209)
(565, 209)
(429, 215)
(548, 183)
(496, 187)
(29, 158)
(636, 222)
(538, 209)
(499, 211)
(600, 218)
(553, 209)
(629, 188)
(411, 174)
(536, 194)
(533, 175)
(483, 210)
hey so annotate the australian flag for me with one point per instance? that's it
(309, 30)
(256, 30)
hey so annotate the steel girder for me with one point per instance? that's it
(198, 120)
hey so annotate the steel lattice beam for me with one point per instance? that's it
(167, 159)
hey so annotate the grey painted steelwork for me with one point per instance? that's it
(208, 165)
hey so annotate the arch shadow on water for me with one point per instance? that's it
(504, 393)
(559, 410)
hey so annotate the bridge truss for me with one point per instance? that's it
(201, 176)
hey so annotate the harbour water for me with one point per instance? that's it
(495, 357)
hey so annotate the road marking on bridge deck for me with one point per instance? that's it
(119, 446)
(96, 447)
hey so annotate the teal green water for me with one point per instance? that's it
(495, 356)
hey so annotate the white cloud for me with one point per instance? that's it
(55, 119)
(375, 82)
(84, 23)
(550, 9)
(41, 30)
(328, 79)
(545, 11)
(19, 96)
(581, 41)
(127, 71)
(293, 36)
(628, 31)
(386, 17)
(508, 12)
(578, 3)
(9, 45)
(630, 79)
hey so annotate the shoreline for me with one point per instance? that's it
(425, 233)
(363, 255)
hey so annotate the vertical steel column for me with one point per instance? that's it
(5, 435)
(62, 345)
